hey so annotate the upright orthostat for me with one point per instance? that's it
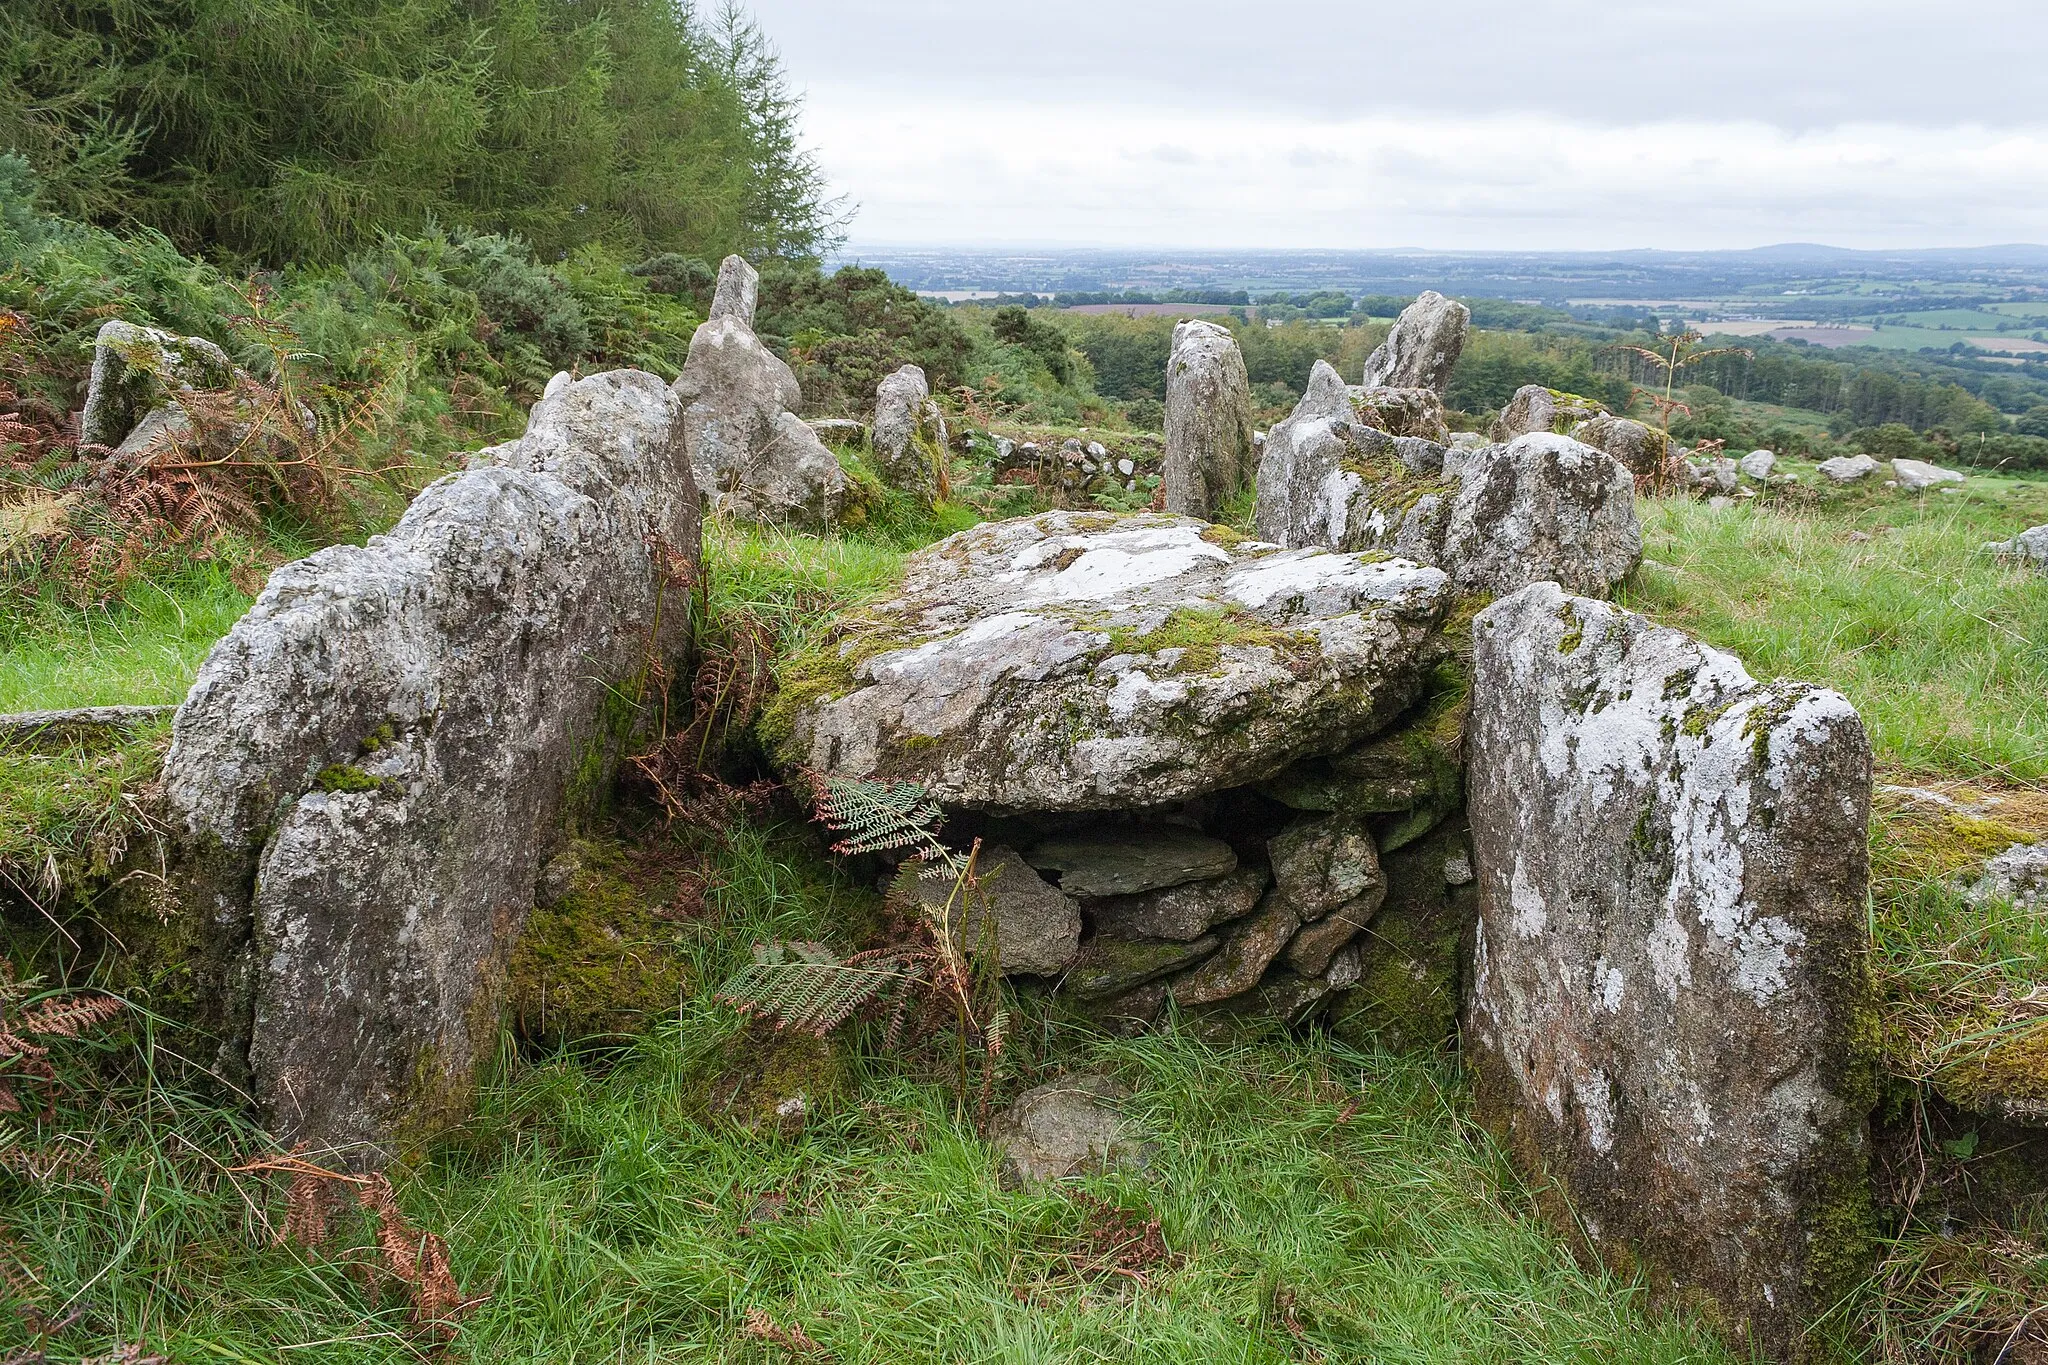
(376, 761)
(1208, 421)
(909, 438)
(1423, 348)
(1663, 1003)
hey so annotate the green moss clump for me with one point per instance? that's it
(772, 1081)
(1202, 633)
(601, 959)
(1575, 629)
(346, 777)
(825, 671)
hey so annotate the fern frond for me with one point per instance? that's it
(68, 1016)
(806, 986)
(879, 817)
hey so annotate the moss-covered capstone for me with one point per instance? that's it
(1071, 662)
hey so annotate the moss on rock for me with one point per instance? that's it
(601, 957)
(1407, 994)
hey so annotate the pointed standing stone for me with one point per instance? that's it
(738, 284)
(1423, 348)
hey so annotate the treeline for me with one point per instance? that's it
(1233, 298)
(292, 133)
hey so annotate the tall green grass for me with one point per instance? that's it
(1885, 597)
(614, 1213)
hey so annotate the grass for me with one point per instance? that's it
(1944, 650)
(1324, 1201)
(141, 650)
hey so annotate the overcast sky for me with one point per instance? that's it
(1453, 124)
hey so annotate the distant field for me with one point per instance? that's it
(1151, 310)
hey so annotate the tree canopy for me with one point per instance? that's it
(298, 130)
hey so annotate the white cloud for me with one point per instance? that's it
(1068, 171)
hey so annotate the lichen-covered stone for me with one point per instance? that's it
(1848, 468)
(1319, 865)
(1758, 465)
(1208, 420)
(1645, 450)
(455, 682)
(1071, 1126)
(1129, 859)
(1667, 1006)
(909, 437)
(1036, 927)
(1416, 414)
(2019, 876)
(138, 369)
(1537, 409)
(1542, 507)
(1082, 662)
(752, 456)
(2028, 547)
(1917, 476)
(738, 286)
(1180, 913)
(1423, 347)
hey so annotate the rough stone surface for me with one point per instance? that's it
(1409, 966)
(1110, 969)
(1536, 409)
(909, 433)
(1917, 475)
(1084, 662)
(1542, 507)
(1320, 865)
(1417, 413)
(752, 456)
(2027, 547)
(373, 765)
(1645, 450)
(1066, 1127)
(1848, 468)
(1667, 973)
(1037, 926)
(1757, 465)
(1424, 346)
(1133, 859)
(738, 284)
(1179, 913)
(1208, 420)
(2018, 875)
(1247, 951)
(137, 369)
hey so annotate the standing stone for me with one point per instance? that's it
(738, 286)
(1667, 979)
(1320, 438)
(1535, 408)
(1208, 420)
(374, 765)
(1542, 507)
(752, 456)
(909, 433)
(137, 369)
(1423, 348)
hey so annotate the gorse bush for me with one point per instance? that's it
(289, 132)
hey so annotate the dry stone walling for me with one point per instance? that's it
(1208, 421)
(752, 456)
(909, 435)
(1666, 993)
(375, 762)
(1186, 753)
(1493, 518)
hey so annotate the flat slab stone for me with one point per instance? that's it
(1181, 913)
(1078, 661)
(1037, 926)
(1124, 861)
(1663, 1012)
